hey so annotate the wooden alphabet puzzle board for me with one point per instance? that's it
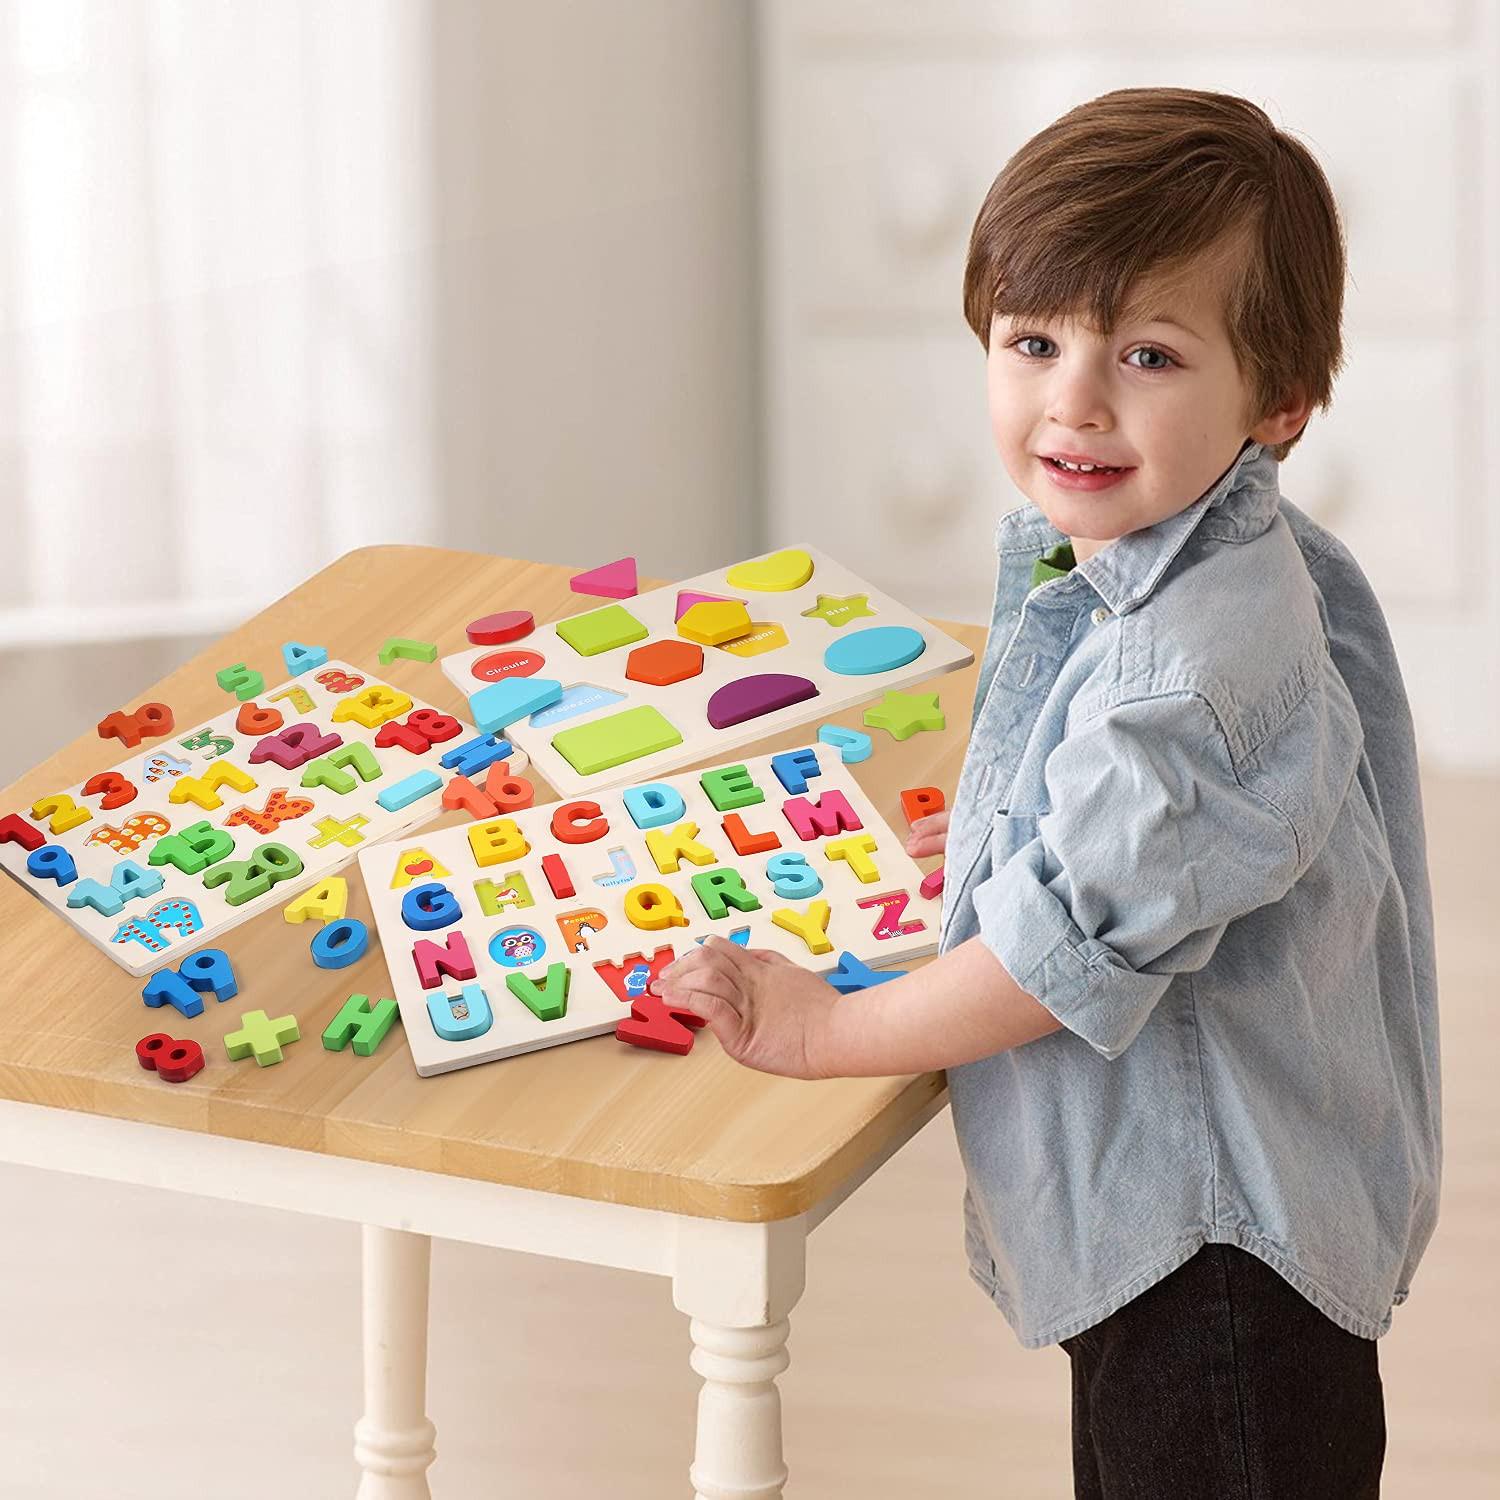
(195, 832)
(820, 640)
(545, 926)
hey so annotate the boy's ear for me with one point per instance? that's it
(1285, 421)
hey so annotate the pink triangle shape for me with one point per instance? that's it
(614, 580)
(686, 599)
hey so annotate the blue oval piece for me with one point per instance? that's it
(878, 648)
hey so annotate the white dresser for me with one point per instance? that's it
(883, 125)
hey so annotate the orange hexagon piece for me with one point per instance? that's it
(664, 662)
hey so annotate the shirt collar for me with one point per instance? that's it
(1238, 506)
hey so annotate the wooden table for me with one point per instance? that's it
(690, 1167)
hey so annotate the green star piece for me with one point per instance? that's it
(262, 1036)
(839, 611)
(905, 713)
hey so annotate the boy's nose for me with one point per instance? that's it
(1076, 401)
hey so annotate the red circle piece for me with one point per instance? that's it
(508, 625)
(495, 665)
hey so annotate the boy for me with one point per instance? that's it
(1185, 990)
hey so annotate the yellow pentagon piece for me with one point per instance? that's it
(788, 569)
(711, 622)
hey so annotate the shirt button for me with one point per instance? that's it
(1100, 615)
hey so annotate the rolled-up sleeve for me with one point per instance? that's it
(1151, 848)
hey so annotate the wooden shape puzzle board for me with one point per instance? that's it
(503, 914)
(787, 637)
(157, 926)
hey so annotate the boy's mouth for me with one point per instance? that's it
(1082, 468)
(1095, 477)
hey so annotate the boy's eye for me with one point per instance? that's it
(1160, 354)
(1161, 360)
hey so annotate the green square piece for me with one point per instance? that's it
(601, 630)
(613, 740)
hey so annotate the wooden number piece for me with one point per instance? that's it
(169, 1058)
(149, 719)
(14, 829)
(114, 787)
(373, 707)
(240, 680)
(424, 728)
(246, 879)
(255, 720)
(193, 848)
(295, 746)
(62, 810)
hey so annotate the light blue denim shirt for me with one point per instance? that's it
(1189, 823)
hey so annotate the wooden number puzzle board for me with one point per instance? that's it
(481, 898)
(792, 628)
(157, 925)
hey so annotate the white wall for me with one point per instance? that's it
(280, 279)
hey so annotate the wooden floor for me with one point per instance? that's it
(158, 1347)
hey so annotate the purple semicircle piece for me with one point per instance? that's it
(750, 697)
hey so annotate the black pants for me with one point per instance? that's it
(1223, 1382)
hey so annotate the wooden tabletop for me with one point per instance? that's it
(697, 1134)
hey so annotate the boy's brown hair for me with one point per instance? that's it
(1163, 184)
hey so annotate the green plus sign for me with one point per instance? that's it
(261, 1036)
(905, 713)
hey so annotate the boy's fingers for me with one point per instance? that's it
(716, 947)
(711, 994)
(769, 956)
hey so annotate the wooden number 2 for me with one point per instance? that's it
(63, 811)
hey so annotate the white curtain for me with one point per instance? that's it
(215, 306)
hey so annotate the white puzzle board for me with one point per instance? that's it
(529, 929)
(159, 927)
(544, 653)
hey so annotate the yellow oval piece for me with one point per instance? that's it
(711, 622)
(788, 569)
(763, 635)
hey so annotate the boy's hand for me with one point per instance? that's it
(766, 1011)
(928, 835)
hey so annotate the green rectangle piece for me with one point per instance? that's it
(601, 630)
(614, 740)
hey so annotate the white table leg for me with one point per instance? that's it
(738, 1283)
(393, 1440)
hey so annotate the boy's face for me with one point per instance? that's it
(1162, 398)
